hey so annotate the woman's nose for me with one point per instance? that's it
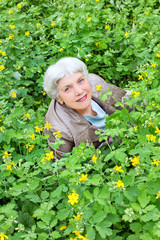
(78, 90)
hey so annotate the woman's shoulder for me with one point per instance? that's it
(96, 80)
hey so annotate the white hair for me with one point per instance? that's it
(64, 67)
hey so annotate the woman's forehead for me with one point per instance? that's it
(70, 79)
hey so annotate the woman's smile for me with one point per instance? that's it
(82, 99)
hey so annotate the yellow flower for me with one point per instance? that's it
(136, 94)
(1, 129)
(98, 87)
(6, 155)
(150, 124)
(77, 232)
(10, 11)
(12, 26)
(153, 65)
(152, 138)
(157, 131)
(97, 43)
(18, 67)
(73, 197)
(44, 160)
(11, 36)
(37, 129)
(58, 134)
(27, 115)
(3, 53)
(119, 184)
(89, 19)
(83, 177)
(134, 21)
(145, 74)
(135, 127)
(135, 160)
(29, 147)
(44, 93)
(19, 5)
(126, 34)
(61, 49)
(47, 125)
(49, 156)
(140, 77)
(156, 162)
(3, 236)
(146, 13)
(118, 169)
(53, 24)
(141, 24)
(32, 136)
(86, 59)
(107, 27)
(78, 217)
(13, 94)
(97, 0)
(158, 195)
(94, 158)
(151, 33)
(64, 34)
(9, 167)
(2, 67)
(121, 105)
(38, 24)
(157, 55)
(62, 228)
(27, 33)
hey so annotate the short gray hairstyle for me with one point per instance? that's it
(62, 68)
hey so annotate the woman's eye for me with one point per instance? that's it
(81, 80)
(67, 89)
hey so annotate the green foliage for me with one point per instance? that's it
(107, 193)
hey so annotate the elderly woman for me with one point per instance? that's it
(76, 109)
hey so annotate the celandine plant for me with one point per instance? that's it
(109, 193)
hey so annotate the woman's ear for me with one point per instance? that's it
(59, 100)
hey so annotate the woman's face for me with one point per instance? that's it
(76, 92)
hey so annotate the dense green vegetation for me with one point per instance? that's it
(109, 193)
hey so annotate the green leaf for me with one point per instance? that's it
(33, 197)
(63, 214)
(90, 232)
(53, 223)
(95, 180)
(41, 225)
(136, 207)
(88, 195)
(95, 192)
(55, 234)
(145, 236)
(136, 227)
(103, 229)
(34, 184)
(1, 217)
(99, 216)
(44, 195)
(42, 236)
(143, 199)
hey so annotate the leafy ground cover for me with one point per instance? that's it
(109, 193)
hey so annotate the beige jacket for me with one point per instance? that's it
(73, 126)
